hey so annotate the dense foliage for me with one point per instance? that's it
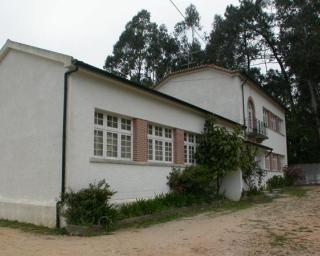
(89, 206)
(219, 150)
(256, 33)
(276, 181)
(195, 179)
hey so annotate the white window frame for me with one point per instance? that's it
(163, 138)
(186, 147)
(119, 131)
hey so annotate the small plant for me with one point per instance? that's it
(195, 179)
(89, 206)
(276, 181)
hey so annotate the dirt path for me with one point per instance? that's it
(287, 226)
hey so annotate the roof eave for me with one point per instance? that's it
(66, 60)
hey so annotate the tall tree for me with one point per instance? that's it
(144, 52)
(285, 32)
(190, 51)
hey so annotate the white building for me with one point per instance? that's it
(64, 124)
(234, 95)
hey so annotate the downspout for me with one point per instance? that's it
(73, 69)
(243, 111)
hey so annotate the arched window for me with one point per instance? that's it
(251, 114)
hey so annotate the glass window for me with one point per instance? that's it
(110, 139)
(168, 151)
(190, 144)
(125, 124)
(98, 143)
(158, 150)
(168, 133)
(160, 143)
(158, 131)
(112, 144)
(150, 149)
(98, 118)
(150, 129)
(112, 121)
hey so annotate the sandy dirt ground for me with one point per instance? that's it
(287, 226)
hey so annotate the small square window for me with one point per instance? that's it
(125, 124)
(98, 118)
(112, 121)
(158, 131)
(168, 133)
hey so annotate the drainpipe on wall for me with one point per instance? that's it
(73, 69)
(242, 90)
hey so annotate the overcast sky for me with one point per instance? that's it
(87, 30)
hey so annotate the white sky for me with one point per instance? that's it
(87, 30)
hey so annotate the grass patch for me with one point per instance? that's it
(26, 227)
(278, 240)
(162, 208)
(296, 191)
(173, 213)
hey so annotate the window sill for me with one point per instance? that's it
(130, 162)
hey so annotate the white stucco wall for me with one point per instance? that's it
(221, 93)
(276, 141)
(131, 181)
(215, 91)
(232, 185)
(30, 134)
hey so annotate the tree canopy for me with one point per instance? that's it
(276, 42)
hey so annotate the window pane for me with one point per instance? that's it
(185, 154)
(191, 138)
(167, 133)
(191, 154)
(98, 118)
(125, 124)
(112, 121)
(150, 129)
(126, 146)
(158, 150)
(158, 131)
(150, 150)
(168, 151)
(98, 143)
(112, 144)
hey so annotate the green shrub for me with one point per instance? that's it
(276, 181)
(89, 206)
(195, 179)
(157, 204)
